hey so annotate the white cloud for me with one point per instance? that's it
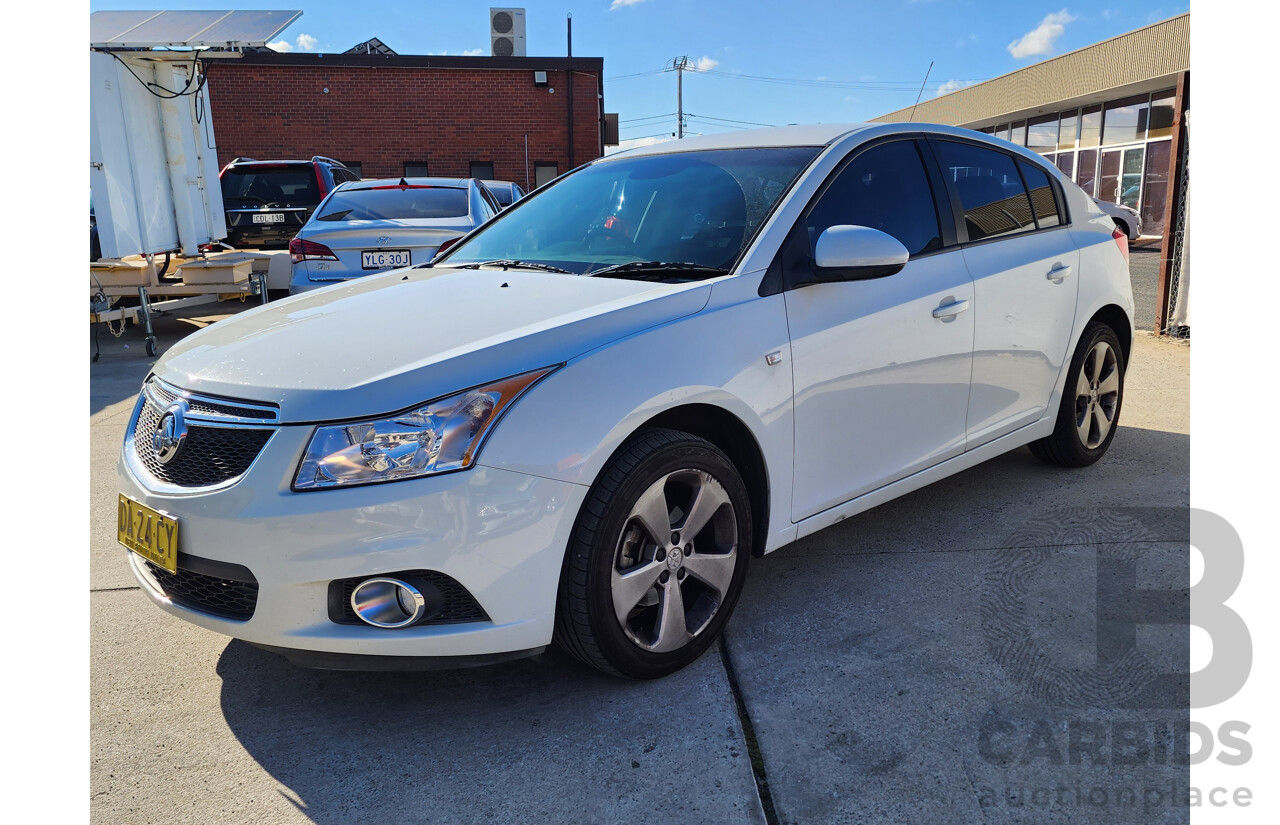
(952, 86)
(1040, 39)
(473, 52)
(467, 53)
(304, 43)
(617, 4)
(706, 63)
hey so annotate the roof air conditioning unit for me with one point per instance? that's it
(506, 32)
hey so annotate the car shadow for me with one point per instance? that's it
(482, 744)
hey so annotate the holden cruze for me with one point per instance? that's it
(578, 424)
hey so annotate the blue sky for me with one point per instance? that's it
(824, 61)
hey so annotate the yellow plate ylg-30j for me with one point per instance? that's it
(149, 533)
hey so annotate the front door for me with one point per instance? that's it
(881, 366)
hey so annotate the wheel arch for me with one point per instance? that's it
(728, 432)
(1116, 318)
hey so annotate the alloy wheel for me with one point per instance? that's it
(675, 560)
(1097, 395)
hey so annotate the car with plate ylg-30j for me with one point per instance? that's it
(580, 422)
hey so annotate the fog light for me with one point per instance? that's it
(388, 602)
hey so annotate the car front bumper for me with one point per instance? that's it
(500, 534)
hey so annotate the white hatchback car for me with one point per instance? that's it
(579, 423)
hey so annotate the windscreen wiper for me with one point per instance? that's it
(653, 270)
(508, 263)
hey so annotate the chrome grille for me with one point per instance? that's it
(219, 446)
(201, 405)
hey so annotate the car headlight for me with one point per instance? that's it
(438, 437)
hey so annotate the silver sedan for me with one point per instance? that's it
(370, 226)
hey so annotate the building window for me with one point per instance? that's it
(416, 169)
(1019, 134)
(1125, 121)
(1002, 131)
(482, 169)
(545, 173)
(1087, 171)
(1068, 129)
(1067, 164)
(1161, 122)
(355, 166)
(1091, 126)
(1042, 134)
(1155, 187)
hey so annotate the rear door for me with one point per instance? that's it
(881, 366)
(1025, 269)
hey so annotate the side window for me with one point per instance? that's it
(885, 188)
(1043, 202)
(991, 193)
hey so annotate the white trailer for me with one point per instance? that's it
(153, 159)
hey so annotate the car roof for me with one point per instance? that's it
(817, 134)
(370, 183)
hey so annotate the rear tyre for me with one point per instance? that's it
(1090, 409)
(657, 559)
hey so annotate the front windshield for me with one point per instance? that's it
(698, 208)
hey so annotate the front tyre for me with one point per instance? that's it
(657, 559)
(1090, 409)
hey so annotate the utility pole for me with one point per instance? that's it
(680, 65)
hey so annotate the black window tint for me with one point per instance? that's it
(1043, 202)
(991, 192)
(884, 188)
(270, 184)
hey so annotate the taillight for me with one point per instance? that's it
(1122, 241)
(324, 190)
(300, 250)
(444, 247)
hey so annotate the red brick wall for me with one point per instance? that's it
(384, 116)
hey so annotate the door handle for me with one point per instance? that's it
(951, 310)
(1058, 273)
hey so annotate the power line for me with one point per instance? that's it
(728, 120)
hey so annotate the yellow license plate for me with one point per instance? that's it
(149, 533)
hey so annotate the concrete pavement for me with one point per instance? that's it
(937, 659)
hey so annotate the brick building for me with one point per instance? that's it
(391, 115)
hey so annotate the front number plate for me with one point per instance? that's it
(384, 259)
(149, 533)
(269, 217)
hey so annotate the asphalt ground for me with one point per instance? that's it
(962, 654)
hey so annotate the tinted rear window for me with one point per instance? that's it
(276, 185)
(396, 203)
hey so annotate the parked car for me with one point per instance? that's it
(375, 225)
(505, 191)
(1126, 218)
(268, 201)
(581, 421)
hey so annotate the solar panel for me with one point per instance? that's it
(191, 29)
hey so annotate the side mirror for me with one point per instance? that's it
(854, 253)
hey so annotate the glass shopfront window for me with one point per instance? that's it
(1019, 134)
(1091, 126)
(1161, 122)
(1002, 131)
(1131, 177)
(1087, 170)
(1067, 163)
(1125, 121)
(1068, 126)
(1042, 133)
(1155, 187)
